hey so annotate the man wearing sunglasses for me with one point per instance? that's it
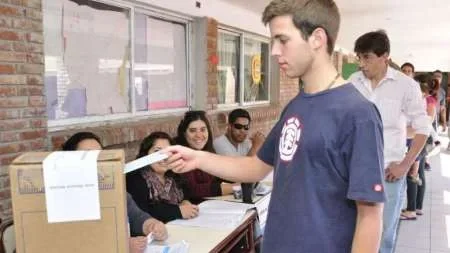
(235, 141)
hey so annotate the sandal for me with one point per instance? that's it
(404, 217)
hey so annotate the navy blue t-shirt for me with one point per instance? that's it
(327, 152)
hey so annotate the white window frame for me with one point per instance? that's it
(99, 120)
(242, 36)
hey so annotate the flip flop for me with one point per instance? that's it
(404, 217)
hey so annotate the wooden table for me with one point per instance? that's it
(202, 240)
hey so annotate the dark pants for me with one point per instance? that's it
(416, 193)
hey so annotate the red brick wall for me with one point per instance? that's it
(128, 136)
(23, 122)
(211, 52)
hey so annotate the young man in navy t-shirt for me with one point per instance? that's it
(326, 150)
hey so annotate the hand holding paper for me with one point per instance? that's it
(138, 244)
(156, 228)
(182, 159)
(180, 247)
(149, 238)
(144, 161)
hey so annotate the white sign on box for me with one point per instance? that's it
(71, 186)
(144, 161)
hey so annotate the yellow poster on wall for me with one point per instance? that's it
(256, 69)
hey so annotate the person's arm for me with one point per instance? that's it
(417, 145)
(363, 152)
(137, 244)
(410, 132)
(257, 141)
(444, 118)
(420, 121)
(165, 212)
(414, 109)
(184, 159)
(246, 169)
(368, 227)
(137, 188)
(136, 217)
(156, 227)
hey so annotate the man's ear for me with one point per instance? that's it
(386, 57)
(318, 38)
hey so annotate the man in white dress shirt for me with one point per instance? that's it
(397, 98)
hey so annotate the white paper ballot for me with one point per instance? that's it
(144, 161)
(262, 207)
(71, 186)
(149, 238)
(180, 247)
(217, 214)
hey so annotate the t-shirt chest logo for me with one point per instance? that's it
(290, 135)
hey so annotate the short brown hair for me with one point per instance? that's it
(308, 15)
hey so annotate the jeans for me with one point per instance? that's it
(416, 193)
(421, 189)
(395, 193)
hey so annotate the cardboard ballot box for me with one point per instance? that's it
(35, 235)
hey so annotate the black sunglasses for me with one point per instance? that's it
(240, 126)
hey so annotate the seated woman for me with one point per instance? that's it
(194, 131)
(157, 190)
(141, 223)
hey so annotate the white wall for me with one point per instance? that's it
(224, 12)
(417, 29)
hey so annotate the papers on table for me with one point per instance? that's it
(217, 214)
(71, 186)
(218, 206)
(262, 207)
(181, 247)
(144, 161)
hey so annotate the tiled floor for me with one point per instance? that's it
(431, 232)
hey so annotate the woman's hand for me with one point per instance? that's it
(138, 244)
(157, 228)
(188, 210)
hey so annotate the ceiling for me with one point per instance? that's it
(419, 30)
